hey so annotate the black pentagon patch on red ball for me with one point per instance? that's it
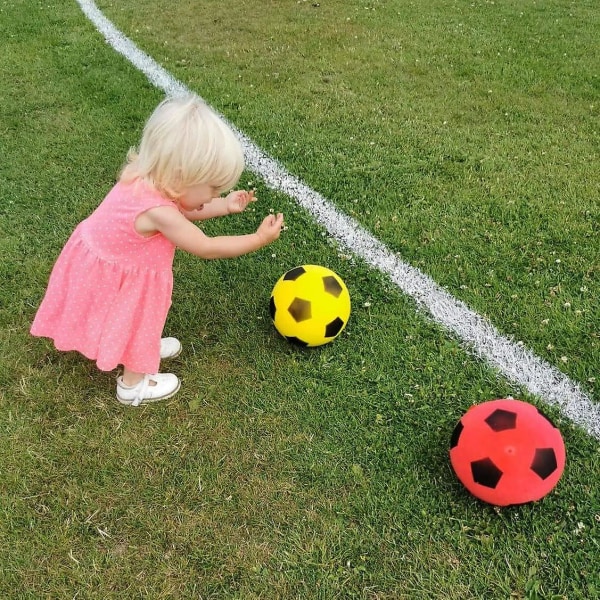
(456, 434)
(501, 420)
(300, 310)
(334, 327)
(332, 285)
(293, 274)
(544, 462)
(485, 472)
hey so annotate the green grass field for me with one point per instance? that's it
(465, 136)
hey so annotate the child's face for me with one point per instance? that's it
(195, 197)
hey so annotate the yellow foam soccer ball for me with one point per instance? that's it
(310, 305)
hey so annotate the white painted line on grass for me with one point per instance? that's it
(514, 361)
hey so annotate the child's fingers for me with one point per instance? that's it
(274, 220)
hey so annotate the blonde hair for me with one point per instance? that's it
(185, 143)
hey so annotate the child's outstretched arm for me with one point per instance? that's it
(234, 202)
(185, 235)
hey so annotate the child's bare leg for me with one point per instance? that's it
(131, 378)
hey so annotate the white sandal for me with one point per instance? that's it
(167, 385)
(170, 347)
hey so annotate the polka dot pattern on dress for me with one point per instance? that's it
(110, 290)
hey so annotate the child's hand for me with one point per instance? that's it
(237, 201)
(270, 228)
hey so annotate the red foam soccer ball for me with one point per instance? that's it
(507, 452)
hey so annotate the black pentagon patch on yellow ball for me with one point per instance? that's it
(300, 310)
(485, 472)
(272, 308)
(332, 286)
(544, 462)
(296, 340)
(293, 274)
(334, 327)
(500, 420)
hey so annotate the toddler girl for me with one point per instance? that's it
(110, 290)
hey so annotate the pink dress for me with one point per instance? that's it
(110, 290)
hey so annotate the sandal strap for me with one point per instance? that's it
(141, 393)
